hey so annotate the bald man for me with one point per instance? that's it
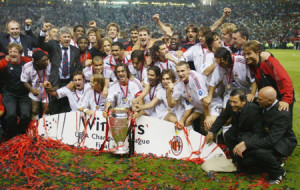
(278, 141)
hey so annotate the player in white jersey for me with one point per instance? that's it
(93, 99)
(122, 92)
(150, 109)
(74, 90)
(33, 75)
(117, 56)
(163, 59)
(192, 88)
(213, 42)
(138, 67)
(233, 72)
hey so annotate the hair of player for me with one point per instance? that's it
(97, 59)
(181, 63)
(193, 27)
(210, 38)
(79, 26)
(114, 25)
(171, 74)
(17, 46)
(63, 30)
(83, 37)
(156, 70)
(240, 92)
(125, 67)
(119, 44)
(134, 28)
(178, 34)
(223, 53)
(78, 72)
(99, 79)
(143, 28)
(90, 31)
(205, 30)
(244, 33)
(252, 45)
(139, 54)
(228, 27)
(155, 49)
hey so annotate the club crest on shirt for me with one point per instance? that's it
(200, 93)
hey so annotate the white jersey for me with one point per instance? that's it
(108, 73)
(121, 96)
(93, 100)
(141, 75)
(36, 79)
(110, 61)
(74, 97)
(194, 91)
(164, 65)
(178, 109)
(195, 54)
(160, 107)
(236, 77)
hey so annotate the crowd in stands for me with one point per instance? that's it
(271, 21)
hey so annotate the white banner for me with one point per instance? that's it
(152, 135)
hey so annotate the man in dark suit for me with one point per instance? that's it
(14, 35)
(245, 120)
(278, 141)
(64, 60)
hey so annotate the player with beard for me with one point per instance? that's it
(213, 42)
(161, 56)
(34, 74)
(117, 56)
(233, 72)
(93, 99)
(83, 44)
(134, 33)
(192, 88)
(74, 90)
(122, 92)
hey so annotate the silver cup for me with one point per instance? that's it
(119, 122)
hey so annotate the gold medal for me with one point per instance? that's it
(169, 109)
(125, 99)
(97, 107)
(228, 86)
(190, 99)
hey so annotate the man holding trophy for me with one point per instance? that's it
(118, 105)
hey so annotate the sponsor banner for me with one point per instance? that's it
(152, 135)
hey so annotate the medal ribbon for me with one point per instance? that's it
(44, 76)
(97, 101)
(151, 97)
(125, 94)
(229, 78)
(77, 95)
(167, 63)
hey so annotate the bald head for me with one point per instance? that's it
(266, 96)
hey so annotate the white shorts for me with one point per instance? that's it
(39, 98)
(216, 106)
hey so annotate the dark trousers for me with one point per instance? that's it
(60, 105)
(16, 106)
(266, 159)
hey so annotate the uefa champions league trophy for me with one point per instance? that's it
(119, 122)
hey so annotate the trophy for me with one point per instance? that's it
(119, 120)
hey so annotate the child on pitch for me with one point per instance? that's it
(33, 76)
(93, 99)
(177, 114)
(74, 90)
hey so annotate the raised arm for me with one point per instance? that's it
(221, 20)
